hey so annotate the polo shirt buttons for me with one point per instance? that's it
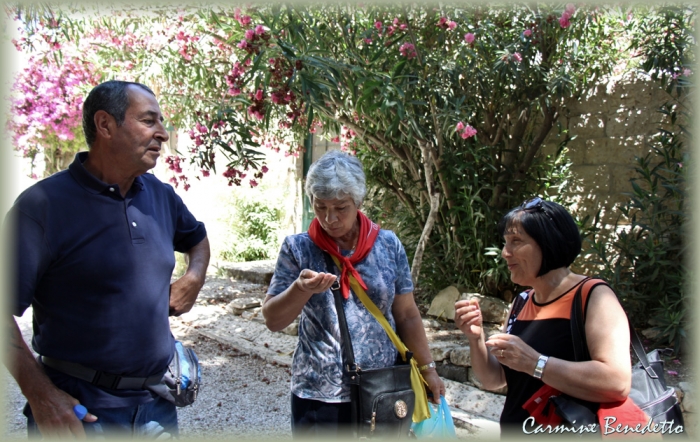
(111, 189)
(133, 223)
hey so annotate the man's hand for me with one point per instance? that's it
(184, 291)
(54, 415)
(183, 294)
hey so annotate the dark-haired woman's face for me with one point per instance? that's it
(523, 256)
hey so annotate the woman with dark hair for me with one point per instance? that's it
(535, 347)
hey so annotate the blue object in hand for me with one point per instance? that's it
(80, 411)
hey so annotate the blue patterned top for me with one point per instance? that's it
(317, 363)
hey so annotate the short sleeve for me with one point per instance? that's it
(286, 270)
(188, 231)
(404, 281)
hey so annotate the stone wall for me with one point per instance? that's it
(613, 123)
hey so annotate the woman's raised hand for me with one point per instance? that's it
(314, 282)
(468, 317)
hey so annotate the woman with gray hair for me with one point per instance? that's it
(335, 186)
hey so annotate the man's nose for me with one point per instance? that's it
(162, 134)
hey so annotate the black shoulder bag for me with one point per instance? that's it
(382, 398)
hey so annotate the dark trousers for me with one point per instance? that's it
(316, 419)
(156, 419)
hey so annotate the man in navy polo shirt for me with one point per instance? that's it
(94, 255)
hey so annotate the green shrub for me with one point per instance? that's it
(255, 232)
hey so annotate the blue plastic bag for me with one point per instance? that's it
(439, 425)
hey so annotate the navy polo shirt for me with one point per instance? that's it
(96, 268)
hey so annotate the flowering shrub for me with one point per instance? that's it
(389, 84)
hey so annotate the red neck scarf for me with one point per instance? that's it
(365, 242)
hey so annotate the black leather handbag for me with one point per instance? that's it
(382, 398)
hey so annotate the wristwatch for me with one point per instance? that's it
(427, 366)
(539, 368)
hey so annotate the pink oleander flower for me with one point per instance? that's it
(451, 25)
(378, 25)
(570, 9)
(249, 35)
(253, 183)
(245, 20)
(527, 32)
(672, 372)
(368, 40)
(517, 57)
(460, 126)
(259, 29)
(259, 95)
(243, 44)
(205, 173)
(264, 169)
(564, 22)
(408, 50)
(469, 37)
(687, 72)
(403, 26)
(442, 21)
(468, 132)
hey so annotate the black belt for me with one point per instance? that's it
(100, 378)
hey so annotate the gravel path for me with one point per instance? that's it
(242, 395)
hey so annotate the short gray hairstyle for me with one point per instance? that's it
(334, 176)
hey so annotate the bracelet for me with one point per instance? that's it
(539, 368)
(426, 366)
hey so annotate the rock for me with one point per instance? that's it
(253, 315)
(453, 372)
(492, 309)
(475, 382)
(482, 403)
(650, 333)
(443, 305)
(461, 356)
(238, 306)
(490, 329)
(431, 323)
(292, 329)
(441, 350)
(688, 396)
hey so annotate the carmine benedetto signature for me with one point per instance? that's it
(608, 427)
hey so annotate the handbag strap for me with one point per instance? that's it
(346, 344)
(374, 310)
(578, 332)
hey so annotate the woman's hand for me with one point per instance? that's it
(314, 282)
(468, 317)
(513, 352)
(435, 384)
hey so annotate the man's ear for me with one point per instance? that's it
(105, 124)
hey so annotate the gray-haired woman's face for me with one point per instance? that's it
(337, 216)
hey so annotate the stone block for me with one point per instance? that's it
(461, 356)
(688, 396)
(588, 125)
(292, 329)
(453, 372)
(441, 350)
(431, 323)
(621, 176)
(475, 382)
(492, 309)
(443, 305)
(595, 178)
(466, 397)
(238, 306)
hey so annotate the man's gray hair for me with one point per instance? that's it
(334, 176)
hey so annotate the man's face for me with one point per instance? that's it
(138, 140)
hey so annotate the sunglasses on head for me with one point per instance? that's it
(536, 204)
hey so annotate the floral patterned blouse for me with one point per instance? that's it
(317, 364)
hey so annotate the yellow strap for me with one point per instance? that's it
(421, 410)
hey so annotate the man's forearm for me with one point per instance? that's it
(22, 365)
(198, 257)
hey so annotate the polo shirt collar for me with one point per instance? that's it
(90, 182)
